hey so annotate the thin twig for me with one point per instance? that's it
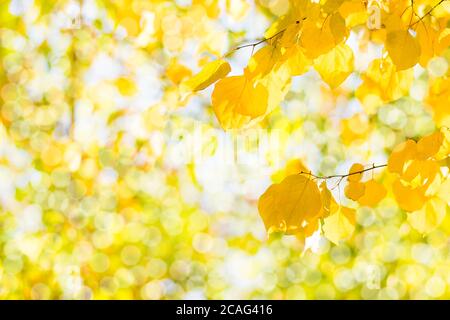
(428, 13)
(342, 176)
(253, 45)
(258, 42)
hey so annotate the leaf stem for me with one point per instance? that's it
(342, 176)
(254, 44)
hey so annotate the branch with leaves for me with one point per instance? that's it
(428, 13)
(373, 167)
(319, 40)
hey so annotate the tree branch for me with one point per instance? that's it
(428, 13)
(258, 42)
(342, 176)
(254, 44)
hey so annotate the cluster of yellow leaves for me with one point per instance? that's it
(368, 193)
(314, 35)
(296, 205)
(409, 37)
(422, 186)
(291, 47)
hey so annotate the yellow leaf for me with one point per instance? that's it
(335, 66)
(310, 228)
(287, 206)
(400, 155)
(355, 190)
(262, 62)
(439, 100)
(409, 199)
(340, 226)
(444, 151)
(290, 36)
(329, 204)
(338, 27)
(444, 40)
(316, 39)
(429, 217)
(403, 49)
(423, 171)
(277, 84)
(236, 100)
(357, 167)
(354, 12)
(296, 60)
(375, 192)
(444, 191)
(428, 40)
(210, 73)
(331, 6)
(300, 9)
(428, 146)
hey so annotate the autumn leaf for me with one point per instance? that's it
(374, 193)
(286, 206)
(402, 153)
(355, 190)
(355, 172)
(408, 198)
(329, 204)
(262, 62)
(403, 49)
(316, 39)
(331, 6)
(236, 100)
(428, 146)
(298, 63)
(429, 217)
(438, 99)
(338, 27)
(336, 65)
(210, 73)
(340, 225)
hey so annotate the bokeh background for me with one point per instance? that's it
(101, 199)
